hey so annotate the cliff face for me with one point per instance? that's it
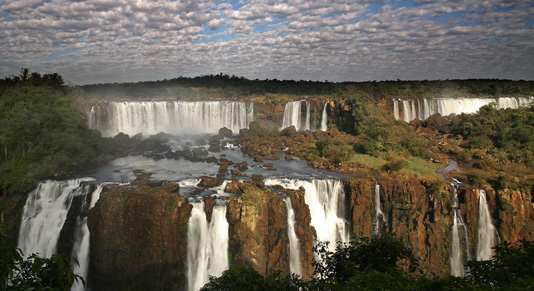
(421, 216)
(258, 229)
(139, 234)
(138, 238)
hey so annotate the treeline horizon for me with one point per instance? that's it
(241, 86)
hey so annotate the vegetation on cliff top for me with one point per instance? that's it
(498, 142)
(365, 143)
(233, 86)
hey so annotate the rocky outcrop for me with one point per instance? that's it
(138, 238)
(420, 214)
(420, 220)
(258, 229)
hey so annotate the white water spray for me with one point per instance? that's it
(326, 200)
(80, 250)
(324, 118)
(447, 106)
(173, 117)
(44, 214)
(457, 266)
(207, 245)
(486, 230)
(379, 215)
(294, 244)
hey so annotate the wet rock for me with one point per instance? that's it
(157, 157)
(225, 132)
(200, 152)
(273, 158)
(223, 160)
(236, 173)
(257, 177)
(209, 182)
(212, 159)
(258, 159)
(243, 166)
(169, 154)
(200, 142)
(215, 148)
(268, 165)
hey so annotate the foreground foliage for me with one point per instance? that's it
(34, 272)
(384, 263)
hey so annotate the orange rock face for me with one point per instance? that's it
(422, 218)
(138, 239)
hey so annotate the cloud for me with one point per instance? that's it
(130, 40)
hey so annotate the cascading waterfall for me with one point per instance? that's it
(396, 113)
(457, 266)
(406, 110)
(326, 200)
(293, 115)
(294, 244)
(44, 215)
(379, 215)
(173, 117)
(447, 106)
(486, 230)
(324, 119)
(207, 245)
(81, 245)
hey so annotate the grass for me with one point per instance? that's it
(367, 161)
(421, 168)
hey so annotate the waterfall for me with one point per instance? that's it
(414, 111)
(426, 109)
(396, 109)
(307, 120)
(44, 214)
(486, 230)
(406, 110)
(174, 117)
(379, 215)
(81, 245)
(457, 266)
(324, 118)
(326, 200)
(447, 106)
(293, 115)
(294, 244)
(207, 245)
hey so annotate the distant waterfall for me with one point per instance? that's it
(396, 110)
(324, 118)
(294, 244)
(457, 265)
(81, 245)
(486, 230)
(44, 214)
(173, 117)
(207, 245)
(379, 215)
(422, 109)
(326, 200)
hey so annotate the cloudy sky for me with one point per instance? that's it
(102, 41)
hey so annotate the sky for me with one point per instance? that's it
(103, 41)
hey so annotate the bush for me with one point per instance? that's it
(395, 163)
